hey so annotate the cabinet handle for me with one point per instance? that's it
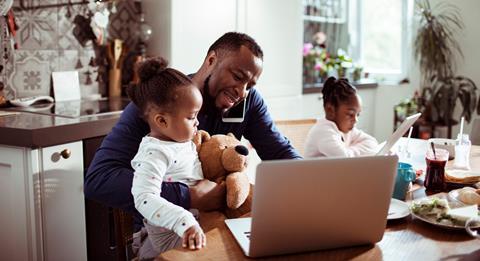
(66, 153)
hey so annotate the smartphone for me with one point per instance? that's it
(236, 113)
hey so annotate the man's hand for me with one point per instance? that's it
(207, 195)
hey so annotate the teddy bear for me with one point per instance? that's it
(224, 158)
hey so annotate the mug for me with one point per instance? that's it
(405, 175)
(473, 222)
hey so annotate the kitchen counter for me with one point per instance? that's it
(39, 129)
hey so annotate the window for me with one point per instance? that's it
(380, 36)
(372, 35)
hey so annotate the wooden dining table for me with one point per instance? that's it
(407, 238)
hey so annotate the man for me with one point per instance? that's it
(227, 76)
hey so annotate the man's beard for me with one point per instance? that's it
(208, 100)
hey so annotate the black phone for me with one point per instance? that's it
(236, 113)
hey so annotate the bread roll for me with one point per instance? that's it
(469, 196)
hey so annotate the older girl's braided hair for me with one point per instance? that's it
(336, 91)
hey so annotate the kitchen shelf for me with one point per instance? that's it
(361, 84)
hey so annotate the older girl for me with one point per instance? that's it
(336, 135)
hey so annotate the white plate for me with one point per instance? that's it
(432, 220)
(455, 195)
(397, 209)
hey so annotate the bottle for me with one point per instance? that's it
(462, 152)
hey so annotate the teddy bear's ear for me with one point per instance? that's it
(231, 135)
(201, 137)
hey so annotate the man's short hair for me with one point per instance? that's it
(232, 41)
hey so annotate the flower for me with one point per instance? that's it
(318, 66)
(320, 38)
(307, 47)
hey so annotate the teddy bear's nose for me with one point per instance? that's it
(242, 150)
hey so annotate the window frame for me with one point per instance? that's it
(356, 27)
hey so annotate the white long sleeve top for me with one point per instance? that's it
(325, 140)
(157, 161)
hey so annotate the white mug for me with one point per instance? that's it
(472, 222)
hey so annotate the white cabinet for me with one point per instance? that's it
(19, 205)
(42, 203)
(277, 27)
(183, 30)
(63, 204)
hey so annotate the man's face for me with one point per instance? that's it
(232, 76)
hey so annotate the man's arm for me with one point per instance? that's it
(109, 177)
(262, 133)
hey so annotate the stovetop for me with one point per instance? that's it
(77, 108)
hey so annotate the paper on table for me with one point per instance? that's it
(66, 86)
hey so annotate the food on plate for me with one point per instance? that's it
(469, 195)
(430, 206)
(438, 211)
(464, 213)
(461, 176)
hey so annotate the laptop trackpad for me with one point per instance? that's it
(240, 228)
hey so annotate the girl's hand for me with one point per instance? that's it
(194, 238)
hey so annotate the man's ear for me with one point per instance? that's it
(212, 58)
(160, 119)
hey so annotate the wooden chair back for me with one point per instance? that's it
(123, 225)
(296, 131)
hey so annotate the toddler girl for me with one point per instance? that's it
(169, 103)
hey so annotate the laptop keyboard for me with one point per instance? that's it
(247, 234)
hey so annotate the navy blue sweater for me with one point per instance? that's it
(109, 177)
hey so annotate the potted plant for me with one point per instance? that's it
(436, 49)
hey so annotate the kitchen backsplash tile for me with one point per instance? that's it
(46, 44)
(38, 27)
(120, 23)
(31, 71)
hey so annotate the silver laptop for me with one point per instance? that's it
(307, 205)
(397, 134)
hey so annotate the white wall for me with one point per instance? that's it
(183, 30)
(469, 42)
(277, 27)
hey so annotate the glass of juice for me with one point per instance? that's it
(435, 177)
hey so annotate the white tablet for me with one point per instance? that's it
(406, 124)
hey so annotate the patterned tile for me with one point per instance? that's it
(124, 23)
(47, 44)
(7, 63)
(66, 40)
(68, 61)
(31, 72)
(38, 27)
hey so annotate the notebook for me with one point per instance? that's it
(323, 203)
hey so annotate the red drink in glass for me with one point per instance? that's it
(435, 177)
